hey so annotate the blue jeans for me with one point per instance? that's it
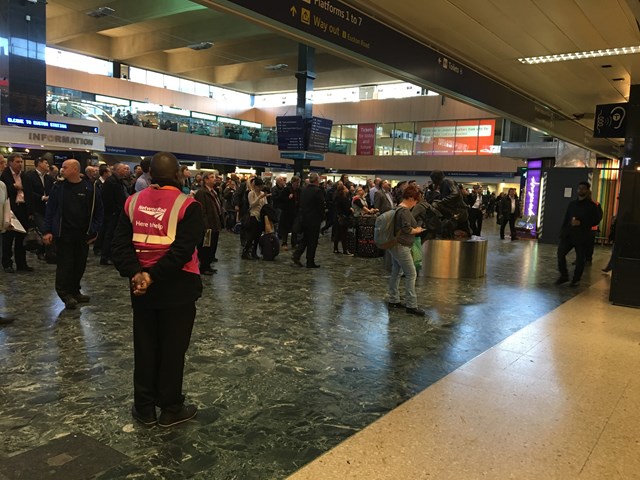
(402, 262)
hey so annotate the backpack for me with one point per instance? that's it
(384, 232)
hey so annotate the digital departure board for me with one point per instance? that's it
(291, 132)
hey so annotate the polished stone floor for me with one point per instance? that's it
(284, 363)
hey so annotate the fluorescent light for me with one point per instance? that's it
(580, 55)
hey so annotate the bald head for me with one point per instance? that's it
(164, 168)
(70, 170)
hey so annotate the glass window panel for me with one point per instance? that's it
(201, 89)
(423, 144)
(467, 137)
(172, 83)
(444, 137)
(349, 137)
(403, 138)
(486, 137)
(155, 79)
(187, 86)
(138, 75)
(384, 138)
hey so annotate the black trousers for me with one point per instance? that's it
(309, 243)
(207, 254)
(475, 220)
(340, 236)
(160, 341)
(565, 246)
(511, 219)
(588, 252)
(11, 238)
(71, 254)
(111, 222)
(254, 229)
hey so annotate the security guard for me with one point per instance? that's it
(155, 247)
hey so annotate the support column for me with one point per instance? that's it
(23, 71)
(624, 281)
(305, 74)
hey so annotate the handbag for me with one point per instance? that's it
(32, 240)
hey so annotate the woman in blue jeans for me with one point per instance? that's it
(402, 262)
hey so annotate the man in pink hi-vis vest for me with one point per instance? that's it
(155, 248)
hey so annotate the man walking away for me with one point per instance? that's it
(311, 215)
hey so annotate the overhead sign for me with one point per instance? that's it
(32, 123)
(319, 133)
(610, 121)
(37, 138)
(335, 24)
(366, 139)
(290, 132)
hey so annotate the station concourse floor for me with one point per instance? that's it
(304, 373)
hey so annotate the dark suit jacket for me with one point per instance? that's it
(211, 209)
(381, 201)
(312, 205)
(505, 206)
(114, 194)
(7, 178)
(38, 190)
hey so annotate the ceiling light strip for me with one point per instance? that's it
(580, 55)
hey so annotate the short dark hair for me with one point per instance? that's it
(258, 182)
(103, 168)
(145, 164)
(411, 192)
(39, 160)
(586, 184)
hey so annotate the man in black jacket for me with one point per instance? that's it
(581, 215)
(310, 218)
(73, 217)
(19, 193)
(114, 193)
(212, 218)
(40, 183)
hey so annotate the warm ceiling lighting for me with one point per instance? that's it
(608, 52)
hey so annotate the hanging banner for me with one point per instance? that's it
(366, 139)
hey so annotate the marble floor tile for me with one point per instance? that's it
(284, 363)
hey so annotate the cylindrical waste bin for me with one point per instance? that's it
(454, 258)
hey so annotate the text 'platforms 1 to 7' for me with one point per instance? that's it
(331, 19)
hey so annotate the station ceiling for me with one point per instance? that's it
(488, 35)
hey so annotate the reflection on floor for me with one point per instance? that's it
(285, 363)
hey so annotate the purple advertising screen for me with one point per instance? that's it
(531, 200)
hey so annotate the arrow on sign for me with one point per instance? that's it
(293, 11)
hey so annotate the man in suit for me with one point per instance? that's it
(19, 193)
(40, 183)
(509, 210)
(212, 217)
(114, 194)
(382, 199)
(310, 218)
(475, 201)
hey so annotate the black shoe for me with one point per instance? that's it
(606, 270)
(395, 305)
(336, 251)
(41, 257)
(312, 265)
(574, 283)
(5, 321)
(170, 418)
(562, 280)
(501, 238)
(215, 259)
(9, 270)
(416, 311)
(81, 298)
(297, 261)
(106, 262)
(148, 418)
(246, 256)
(70, 303)
(209, 271)
(26, 268)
